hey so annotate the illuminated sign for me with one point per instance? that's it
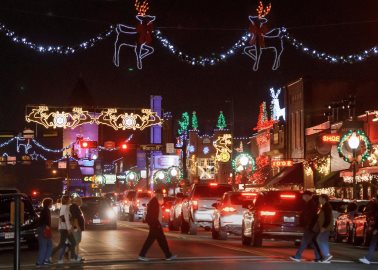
(282, 163)
(331, 138)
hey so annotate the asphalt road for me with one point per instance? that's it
(118, 249)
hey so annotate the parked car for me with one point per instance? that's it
(98, 213)
(362, 224)
(198, 209)
(228, 215)
(28, 232)
(344, 222)
(175, 213)
(274, 215)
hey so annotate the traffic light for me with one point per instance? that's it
(88, 144)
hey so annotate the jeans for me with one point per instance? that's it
(309, 238)
(322, 240)
(64, 235)
(45, 247)
(372, 245)
(156, 233)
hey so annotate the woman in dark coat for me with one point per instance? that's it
(44, 241)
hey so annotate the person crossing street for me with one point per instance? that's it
(154, 219)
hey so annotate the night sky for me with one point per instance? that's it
(198, 27)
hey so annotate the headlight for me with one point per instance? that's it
(110, 213)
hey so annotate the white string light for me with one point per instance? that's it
(199, 60)
(55, 49)
(7, 142)
(334, 59)
(52, 150)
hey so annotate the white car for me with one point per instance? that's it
(228, 215)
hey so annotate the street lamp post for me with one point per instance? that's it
(353, 143)
(244, 162)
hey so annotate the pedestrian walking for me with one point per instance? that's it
(324, 226)
(44, 234)
(308, 219)
(374, 237)
(154, 219)
(66, 230)
(78, 222)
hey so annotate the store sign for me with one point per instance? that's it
(151, 147)
(331, 138)
(166, 161)
(110, 179)
(282, 163)
(121, 177)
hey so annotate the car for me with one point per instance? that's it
(344, 222)
(274, 215)
(98, 213)
(338, 206)
(166, 209)
(362, 224)
(128, 204)
(138, 204)
(228, 214)
(175, 214)
(28, 230)
(197, 210)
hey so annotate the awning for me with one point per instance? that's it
(290, 175)
(365, 170)
(331, 180)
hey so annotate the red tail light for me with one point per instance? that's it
(268, 213)
(287, 196)
(195, 205)
(213, 184)
(228, 209)
(167, 210)
(249, 194)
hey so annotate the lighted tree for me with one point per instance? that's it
(183, 123)
(221, 124)
(194, 121)
(263, 122)
(261, 174)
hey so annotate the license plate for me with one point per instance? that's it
(96, 220)
(289, 219)
(9, 235)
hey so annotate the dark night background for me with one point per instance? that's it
(28, 77)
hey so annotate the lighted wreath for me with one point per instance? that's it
(363, 138)
(243, 162)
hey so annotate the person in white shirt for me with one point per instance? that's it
(65, 230)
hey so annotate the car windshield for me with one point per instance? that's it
(210, 191)
(339, 206)
(280, 201)
(5, 208)
(143, 195)
(91, 203)
(131, 195)
(240, 199)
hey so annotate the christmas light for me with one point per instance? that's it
(243, 162)
(277, 111)
(63, 50)
(194, 121)
(206, 150)
(183, 123)
(362, 137)
(221, 124)
(8, 142)
(222, 146)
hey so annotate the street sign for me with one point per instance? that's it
(151, 147)
(170, 148)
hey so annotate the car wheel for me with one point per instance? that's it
(256, 238)
(131, 216)
(192, 227)
(356, 240)
(171, 226)
(223, 235)
(337, 237)
(32, 245)
(349, 235)
(184, 225)
(214, 233)
(246, 241)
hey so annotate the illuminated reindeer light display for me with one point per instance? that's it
(262, 39)
(139, 38)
